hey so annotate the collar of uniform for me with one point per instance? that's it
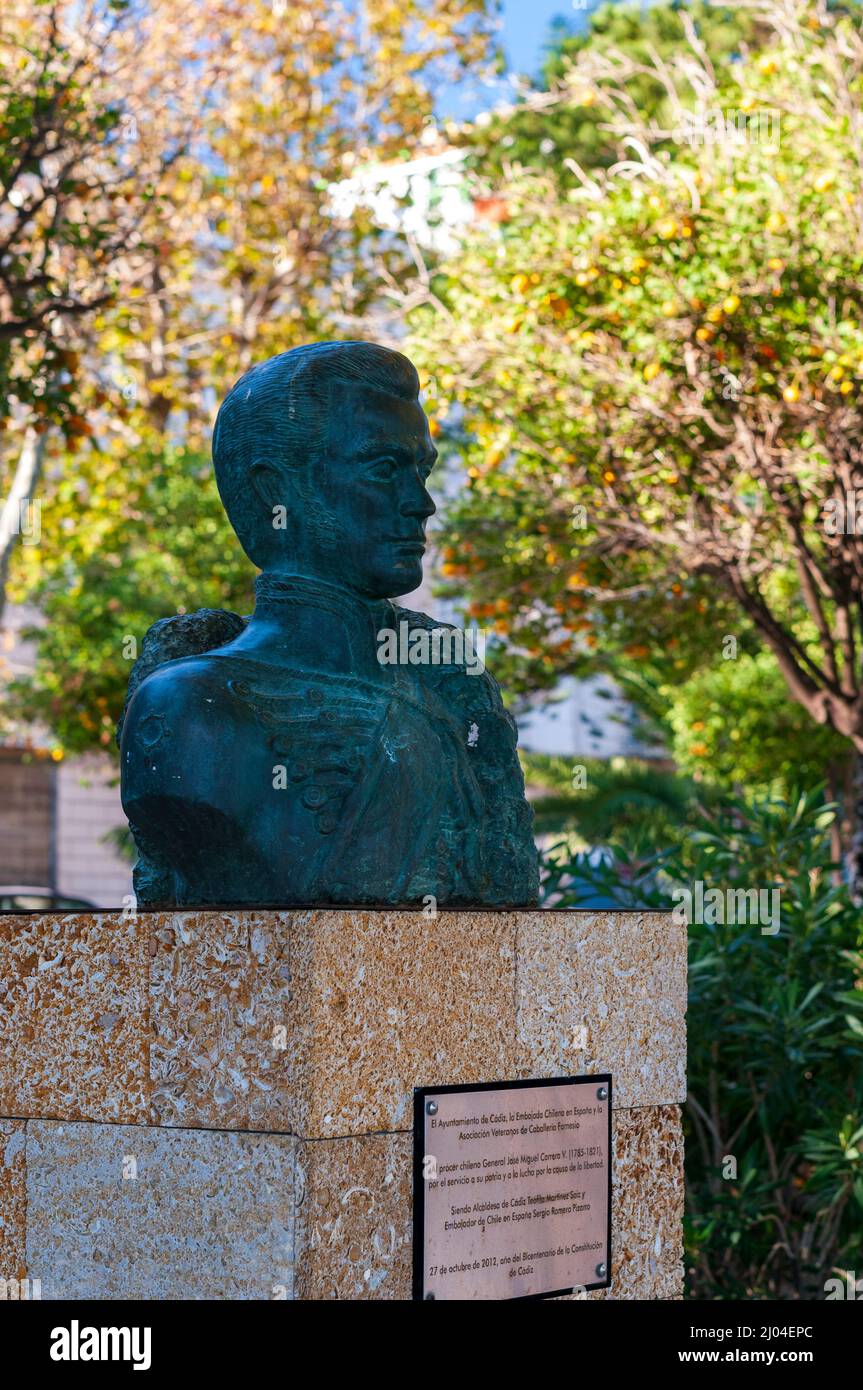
(275, 589)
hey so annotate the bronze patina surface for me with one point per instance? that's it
(278, 760)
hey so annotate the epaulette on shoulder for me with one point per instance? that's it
(184, 634)
(416, 619)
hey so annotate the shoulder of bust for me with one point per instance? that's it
(414, 618)
(190, 782)
(183, 687)
(465, 676)
(184, 705)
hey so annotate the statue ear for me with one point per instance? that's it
(272, 485)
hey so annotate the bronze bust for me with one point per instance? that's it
(278, 760)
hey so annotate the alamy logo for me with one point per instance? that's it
(77, 1343)
(28, 522)
(435, 646)
(843, 515)
(710, 125)
(23, 1289)
(731, 906)
(847, 1287)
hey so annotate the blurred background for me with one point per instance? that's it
(624, 246)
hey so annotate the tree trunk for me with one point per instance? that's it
(15, 508)
(840, 827)
(854, 857)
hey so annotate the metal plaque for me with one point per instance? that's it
(512, 1188)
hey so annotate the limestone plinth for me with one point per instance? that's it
(218, 1104)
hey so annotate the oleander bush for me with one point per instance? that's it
(774, 1114)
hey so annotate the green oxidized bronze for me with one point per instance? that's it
(282, 759)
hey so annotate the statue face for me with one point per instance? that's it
(371, 502)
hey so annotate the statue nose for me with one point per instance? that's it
(419, 504)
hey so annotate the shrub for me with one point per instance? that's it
(774, 1113)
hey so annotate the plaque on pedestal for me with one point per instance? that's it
(512, 1188)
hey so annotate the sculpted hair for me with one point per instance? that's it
(278, 413)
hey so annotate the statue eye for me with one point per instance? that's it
(382, 470)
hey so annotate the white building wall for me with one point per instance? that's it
(88, 806)
(586, 719)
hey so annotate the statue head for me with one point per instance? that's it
(321, 457)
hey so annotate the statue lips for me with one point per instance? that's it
(413, 543)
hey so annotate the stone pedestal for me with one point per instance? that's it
(218, 1104)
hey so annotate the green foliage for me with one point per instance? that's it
(537, 137)
(733, 724)
(38, 78)
(775, 1027)
(100, 580)
(599, 800)
(658, 375)
(656, 30)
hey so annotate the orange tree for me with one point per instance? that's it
(95, 109)
(659, 373)
(542, 131)
(80, 164)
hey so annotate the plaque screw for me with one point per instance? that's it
(600, 1271)
(602, 1093)
(431, 1107)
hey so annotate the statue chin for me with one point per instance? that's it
(390, 570)
(392, 580)
(403, 581)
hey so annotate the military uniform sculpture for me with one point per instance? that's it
(297, 756)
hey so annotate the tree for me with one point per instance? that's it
(660, 373)
(604, 800)
(557, 120)
(95, 108)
